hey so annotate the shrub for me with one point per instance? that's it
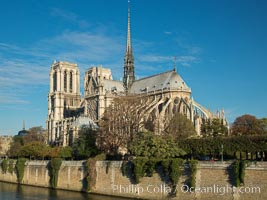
(55, 164)
(91, 171)
(124, 168)
(150, 167)
(20, 165)
(166, 166)
(139, 168)
(11, 166)
(4, 165)
(175, 168)
(193, 169)
(239, 172)
(242, 168)
(100, 157)
(236, 173)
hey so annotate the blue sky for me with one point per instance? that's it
(221, 49)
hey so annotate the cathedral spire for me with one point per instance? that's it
(128, 77)
(23, 125)
(129, 43)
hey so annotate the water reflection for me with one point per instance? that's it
(9, 191)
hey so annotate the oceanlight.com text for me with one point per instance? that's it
(166, 189)
(220, 190)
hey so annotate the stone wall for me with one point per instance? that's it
(36, 173)
(213, 180)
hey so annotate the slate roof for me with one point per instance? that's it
(84, 121)
(111, 85)
(166, 80)
(23, 132)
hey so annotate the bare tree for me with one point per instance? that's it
(34, 134)
(120, 122)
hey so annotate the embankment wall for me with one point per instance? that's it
(213, 180)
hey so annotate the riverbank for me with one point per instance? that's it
(213, 180)
(12, 191)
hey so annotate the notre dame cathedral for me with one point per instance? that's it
(166, 93)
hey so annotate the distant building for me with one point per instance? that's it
(5, 142)
(23, 131)
(67, 110)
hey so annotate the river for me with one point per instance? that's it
(10, 191)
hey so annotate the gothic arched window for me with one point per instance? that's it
(184, 109)
(53, 104)
(71, 74)
(55, 81)
(65, 81)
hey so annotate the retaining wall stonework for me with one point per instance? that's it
(213, 180)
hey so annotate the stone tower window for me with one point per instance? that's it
(52, 104)
(71, 77)
(65, 81)
(55, 81)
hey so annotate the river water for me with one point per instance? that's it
(9, 191)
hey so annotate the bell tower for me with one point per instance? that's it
(64, 97)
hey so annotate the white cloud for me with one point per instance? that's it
(188, 47)
(194, 50)
(185, 64)
(185, 60)
(20, 72)
(167, 32)
(87, 46)
(11, 100)
(154, 58)
(22, 67)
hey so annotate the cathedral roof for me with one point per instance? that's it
(166, 80)
(112, 85)
(84, 122)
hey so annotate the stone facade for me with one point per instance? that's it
(164, 95)
(64, 100)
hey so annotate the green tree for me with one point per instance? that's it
(15, 147)
(263, 125)
(180, 127)
(85, 145)
(65, 152)
(213, 128)
(31, 145)
(35, 150)
(154, 146)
